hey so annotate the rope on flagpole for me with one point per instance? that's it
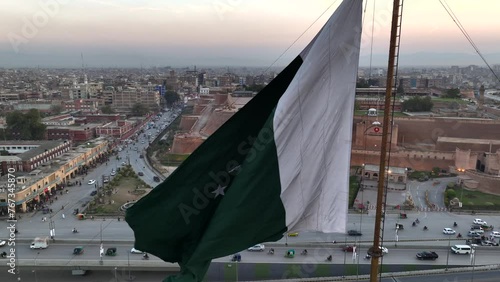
(300, 36)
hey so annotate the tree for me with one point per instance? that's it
(357, 106)
(362, 83)
(254, 87)
(56, 109)
(106, 109)
(139, 109)
(400, 89)
(26, 126)
(453, 93)
(171, 97)
(417, 104)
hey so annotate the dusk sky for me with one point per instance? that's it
(227, 32)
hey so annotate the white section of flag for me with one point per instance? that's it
(313, 126)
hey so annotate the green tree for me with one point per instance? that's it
(400, 89)
(362, 83)
(171, 97)
(417, 104)
(106, 109)
(26, 126)
(357, 106)
(254, 87)
(453, 93)
(139, 109)
(56, 109)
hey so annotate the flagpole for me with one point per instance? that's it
(375, 251)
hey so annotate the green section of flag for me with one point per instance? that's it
(224, 198)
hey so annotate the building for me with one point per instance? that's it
(25, 156)
(396, 177)
(60, 120)
(115, 129)
(83, 105)
(74, 133)
(124, 100)
(36, 186)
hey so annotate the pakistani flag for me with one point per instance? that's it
(280, 164)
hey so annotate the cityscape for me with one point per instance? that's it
(89, 130)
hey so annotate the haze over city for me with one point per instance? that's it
(233, 33)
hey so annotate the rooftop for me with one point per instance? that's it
(392, 169)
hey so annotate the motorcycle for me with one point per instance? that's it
(145, 257)
(74, 230)
(417, 221)
(425, 228)
(329, 258)
(455, 224)
(459, 235)
(271, 252)
(304, 252)
(368, 256)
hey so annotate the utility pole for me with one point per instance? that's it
(375, 250)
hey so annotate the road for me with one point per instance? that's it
(62, 253)
(436, 191)
(114, 230)
(78, 196)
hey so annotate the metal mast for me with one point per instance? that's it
(375, 250)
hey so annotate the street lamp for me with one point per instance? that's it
(448, 252)
(473, 261)
(34, 270)
(101, 248)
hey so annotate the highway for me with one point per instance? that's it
(122, 275)
(62, 254)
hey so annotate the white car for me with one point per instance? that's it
(91, 181)
(257, 248)
(113, 173)
(135, 251)
(495, 234)
(479, 221)
(2, 243)
(449, 231)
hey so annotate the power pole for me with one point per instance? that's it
(375, 251)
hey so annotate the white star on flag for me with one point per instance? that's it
(219, 191)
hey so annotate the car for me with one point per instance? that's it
(449, 231)
(93, 193)
(354, 233)
(495, 234)
(135, 251)
(257, 248)
(479, 221)
(140, 173)
(2, 243)
(489, 243)
(293, 234)
(427, 256)
(473, 233)
(91, 181)
(124, 163)
(156, 179)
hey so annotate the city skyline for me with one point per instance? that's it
(229, 32)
